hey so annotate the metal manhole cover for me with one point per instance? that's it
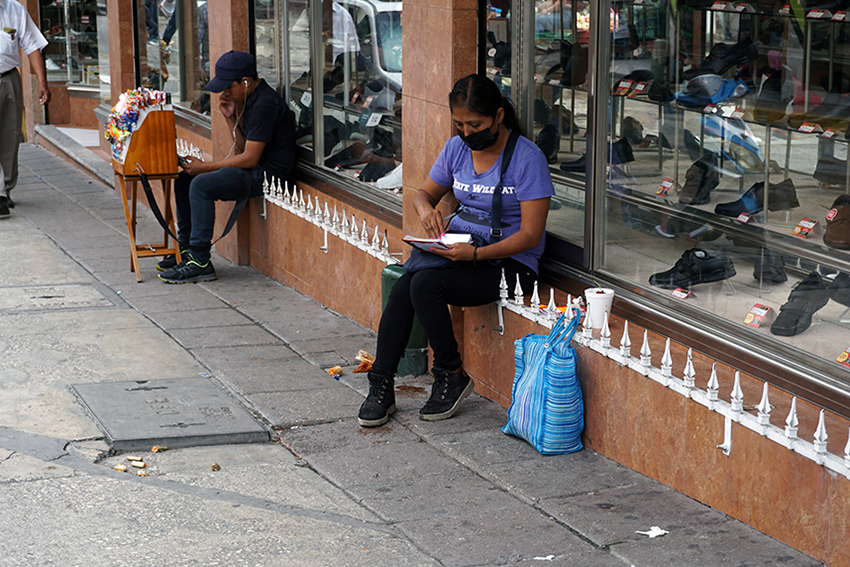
(182, 412)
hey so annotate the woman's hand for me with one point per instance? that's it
(456, 252)
(432, 222)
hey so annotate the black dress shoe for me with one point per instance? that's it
(795, 316)
(575, 166)
(769, 266)
(700, 179)
(839, 290)
(780, 197)
(831, 170)
(549, 142)
(723, 57)
(695, 267)
(7, 201)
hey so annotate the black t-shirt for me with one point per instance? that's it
(269, 119)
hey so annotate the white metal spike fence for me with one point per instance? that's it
(336, 224)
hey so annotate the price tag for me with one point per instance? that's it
(709, 109)
(839, 16)
(307, 99)
(666, 185)
(738, 113)
(760, 315)
(744, 7)
(624, 87)
(491, 52)
(786, 10)
(744, 217)
(829, 133)
(722, 6)
(844, 357)
(639, 88)
(554, 82)
(680, 293)
(368, 101)
(84, 20)
(819, 14)
(808, 127)
(374, 119)
(804, 227)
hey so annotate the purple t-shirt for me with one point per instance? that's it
(526, 179)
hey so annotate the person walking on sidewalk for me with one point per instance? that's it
(470, 166)
(17, 33)
(263, 131)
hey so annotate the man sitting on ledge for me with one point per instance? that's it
(263, 129)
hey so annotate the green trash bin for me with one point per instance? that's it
(415, 359)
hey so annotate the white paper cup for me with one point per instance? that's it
(599, 300)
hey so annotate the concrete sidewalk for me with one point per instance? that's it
(456, 492)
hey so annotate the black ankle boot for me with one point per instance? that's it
(449, 389)
(379, 404)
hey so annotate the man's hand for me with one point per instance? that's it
(193, 165)
(227, 107)
(43, 94)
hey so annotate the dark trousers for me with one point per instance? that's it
(195, 198)
(427, 294)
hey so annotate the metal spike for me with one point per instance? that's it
(791, 422)
(713, 386)
(327, 216)
(301, 200)
(667, 360)
(587, 325)
(645, 353)
(503, 286)
(519, 299)
(847, 452)
(278, 190)
(318, 208)
(335, 220)
(535, 299)
(605, 334)
(376, 239)
(737, 394)
(552, 308)
(309, 206)
(354, 230)
(287, 198)
(344, 222)
(820, 435)
(625, 342)
(364, 234)
(569, 307)
(689, 372)
(266, 183)
(385, 244)
(764, 407)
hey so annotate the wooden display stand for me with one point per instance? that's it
(151, 149)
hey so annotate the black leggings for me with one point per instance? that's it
(428, 293)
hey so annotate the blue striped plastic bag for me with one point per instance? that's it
(546, 407)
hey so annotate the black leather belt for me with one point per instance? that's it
(9, 72)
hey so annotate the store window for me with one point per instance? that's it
(728, 171)
(357, 60)
(71, 28)
(178, 51)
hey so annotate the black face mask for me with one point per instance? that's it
(478, 141)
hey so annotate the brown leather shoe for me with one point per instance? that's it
(837, 233)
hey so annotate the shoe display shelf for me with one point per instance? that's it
(71, 31)
(743, 152)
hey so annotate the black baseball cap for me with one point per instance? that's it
(232, 66)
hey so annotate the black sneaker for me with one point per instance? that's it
(795, 315)
(695, 267)
(170, 261)
(449, 389)
(839, 290)
(189, 270)
(700, 179)
(379, 404)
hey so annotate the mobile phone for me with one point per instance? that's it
(182, 160)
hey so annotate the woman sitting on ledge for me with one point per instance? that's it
(470, 165)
